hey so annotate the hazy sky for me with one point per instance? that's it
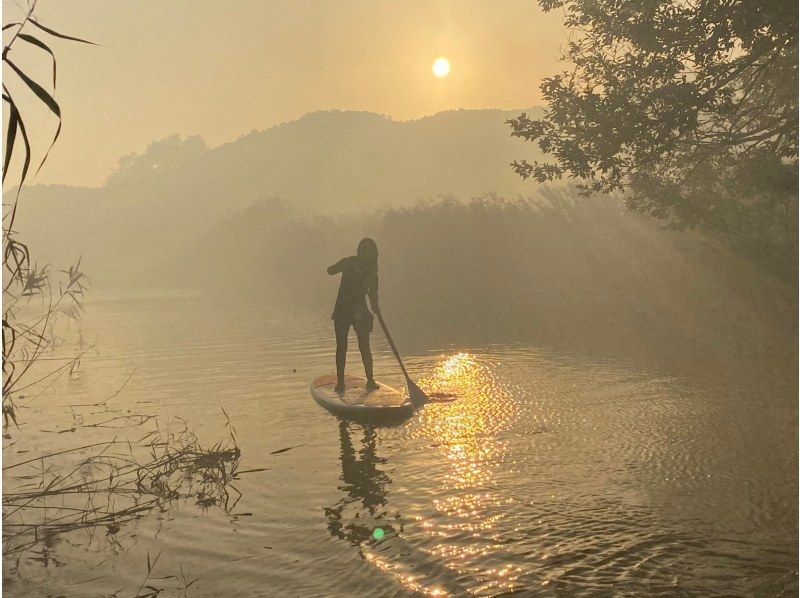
(221, 69)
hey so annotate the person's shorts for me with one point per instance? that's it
(361, 322)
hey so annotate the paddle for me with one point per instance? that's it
(418, 398)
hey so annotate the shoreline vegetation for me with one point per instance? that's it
(553, 269)
(557, 269)
(97, 487)
(105, 485)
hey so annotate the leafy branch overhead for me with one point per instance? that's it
(689, 107)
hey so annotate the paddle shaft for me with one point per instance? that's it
(391, 342)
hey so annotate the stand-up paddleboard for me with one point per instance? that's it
(356, 402)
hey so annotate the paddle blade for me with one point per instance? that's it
(415, 394)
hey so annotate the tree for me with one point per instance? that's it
(688, 106)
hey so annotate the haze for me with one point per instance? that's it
(221, 69)
(613, 398)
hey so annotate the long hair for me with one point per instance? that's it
(368, 255)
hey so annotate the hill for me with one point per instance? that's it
(325, 162)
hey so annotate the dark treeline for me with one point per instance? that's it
(327, 162)
(555, 269)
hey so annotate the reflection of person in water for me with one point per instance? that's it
(359, 279)
(364, 483)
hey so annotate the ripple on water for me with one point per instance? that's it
(550, 475)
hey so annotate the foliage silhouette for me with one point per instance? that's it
(689, 107)
(24, 339)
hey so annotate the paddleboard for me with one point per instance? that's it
(356, 402)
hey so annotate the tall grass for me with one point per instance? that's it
(562, 270)
(99, 487)
(554, 269)
(33, 297)
(102, 486)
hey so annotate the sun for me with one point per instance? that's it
(441, 67)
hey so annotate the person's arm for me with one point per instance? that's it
(372, 293)
(337, 267)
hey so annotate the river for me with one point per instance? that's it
(553, 474)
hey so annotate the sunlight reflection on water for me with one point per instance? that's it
(466, 432)
(550, 475)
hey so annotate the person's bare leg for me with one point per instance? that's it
(366, 357)
(342, 330)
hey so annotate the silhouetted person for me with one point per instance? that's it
(359, 279)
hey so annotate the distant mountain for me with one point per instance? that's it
(325, 162)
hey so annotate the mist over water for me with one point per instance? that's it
(468, 249)
(626, 417)
(552, 474)
(553, 269)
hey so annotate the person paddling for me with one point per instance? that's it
(359, 280)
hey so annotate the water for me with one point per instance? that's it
(552, 475)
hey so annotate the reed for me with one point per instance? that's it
(34, 298)
(95, 487)
(106, 485)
